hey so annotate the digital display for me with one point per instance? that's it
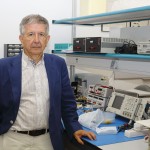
(118, 102)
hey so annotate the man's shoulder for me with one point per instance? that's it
(8, 60)
(54, 57)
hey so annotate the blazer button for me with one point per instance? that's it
(11, 121)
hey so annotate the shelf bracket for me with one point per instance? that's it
(102, 28)
(114, 64)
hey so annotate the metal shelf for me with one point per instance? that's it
(126, 15)
(129, 63)
(141, 57)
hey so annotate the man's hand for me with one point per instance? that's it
(78, 135)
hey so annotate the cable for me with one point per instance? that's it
(127, 48)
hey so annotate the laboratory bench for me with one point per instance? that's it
(109, 141)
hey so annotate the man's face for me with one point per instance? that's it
(34, 39)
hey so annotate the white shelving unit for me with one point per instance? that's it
(129, 63)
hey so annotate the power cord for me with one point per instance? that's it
(125, 126)
(127, 48)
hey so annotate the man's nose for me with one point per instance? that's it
(36, 38)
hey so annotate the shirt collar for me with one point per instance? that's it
(28, 61)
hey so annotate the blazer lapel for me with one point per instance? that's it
(50, 74)
(15, 76)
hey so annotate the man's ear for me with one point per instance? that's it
(20, 38)
(48, 38)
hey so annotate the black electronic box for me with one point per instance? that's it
(79, 44)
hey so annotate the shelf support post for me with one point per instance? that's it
(72, 73)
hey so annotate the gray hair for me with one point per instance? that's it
(33, 18)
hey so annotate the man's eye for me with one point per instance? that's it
(42, 34)
(30, 34)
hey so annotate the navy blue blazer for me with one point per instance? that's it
(62, 102)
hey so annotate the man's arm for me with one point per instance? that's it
(69, 110)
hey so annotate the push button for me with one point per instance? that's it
(11, 121)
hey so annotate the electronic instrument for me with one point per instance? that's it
(130, 104)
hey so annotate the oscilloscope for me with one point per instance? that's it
(129, 104)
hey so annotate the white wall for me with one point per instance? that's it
(92, 7)
(89, 7)
(12, 11)
(126, 4)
